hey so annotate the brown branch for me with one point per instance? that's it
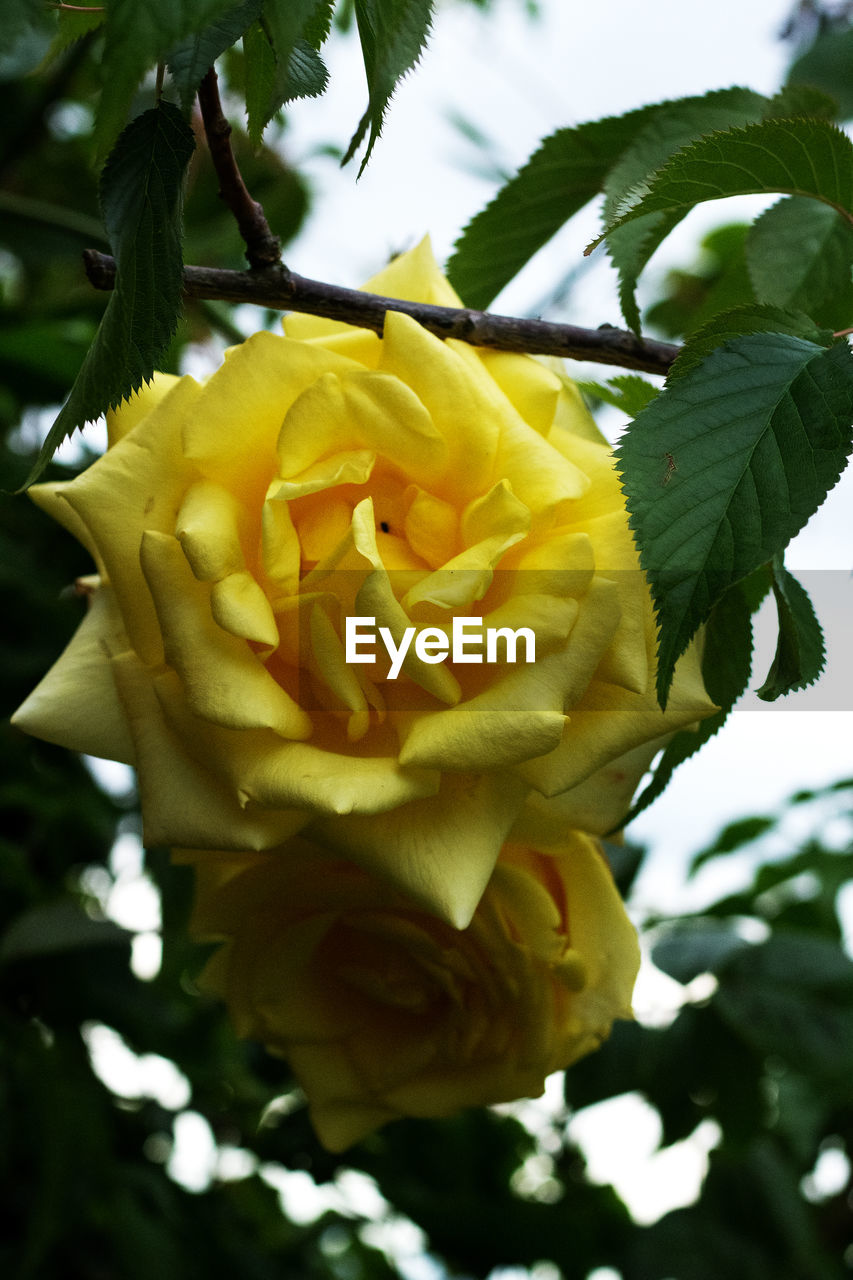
(282, 289)
(263, 249)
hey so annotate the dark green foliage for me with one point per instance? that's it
(190, 59)
(705, 464)
(826, 64)
(800, 652)
(799, 157)
(726, 666)
(141, 196)
(393, 34)
(563, 175)
(799, 255)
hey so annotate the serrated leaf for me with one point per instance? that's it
(393, 34)
(190, 60)
(307, 76)
(726, 666)
(757, 318)
(801, 100)
(726, 465)
(671, 127)
(71, 28)
(800, 254)
(563, 174)
(628, 392)
(795, 157)
(141, 191)
(260, 65)
(288, 22)
(136, 36)
(800, 651)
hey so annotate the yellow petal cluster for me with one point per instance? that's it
(384, 1010)
(330, 474)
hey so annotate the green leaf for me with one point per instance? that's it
(733, 837)
(800, 651)
(802, 100)
(797, 157)
(260, 64)
(563, 175)
(826, 65)
(726, 666)
(755, 318)
(800, 254)
(629, 392)
(136, 37)
(726, 465)
(57, 926)
(289, 22)
(393, 34)
(792, 996)
(141, 191)
(671, 127)
(27, 29)
(190, 60)
(71, 28)
(307, 76)
(703, 946)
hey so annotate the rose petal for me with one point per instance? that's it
(224, 681)
(258, 382)
(417, 847)
(366, 410)
(182, 802)
(76, 705)
(137, 406)
(136, 486)
(210, 527)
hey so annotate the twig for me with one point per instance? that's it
(263, 249)
(284, 290)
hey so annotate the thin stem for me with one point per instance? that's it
(284, 290)
(263, 249)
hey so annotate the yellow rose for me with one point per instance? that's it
(383, 1010)
(331, 475)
